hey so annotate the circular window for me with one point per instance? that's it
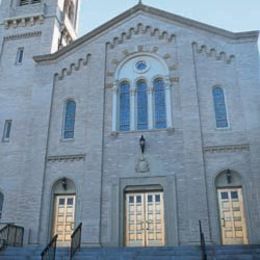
(141, 66)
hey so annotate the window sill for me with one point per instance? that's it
(223, 128)
(170, 130)
(63, 140)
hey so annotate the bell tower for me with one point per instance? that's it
(29, 28)
(55, 20)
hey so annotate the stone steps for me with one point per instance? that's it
(165, 253)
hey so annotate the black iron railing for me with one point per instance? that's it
(11, 235)
(2, 244)
(202, 243)
(75, 240)
(49, 251)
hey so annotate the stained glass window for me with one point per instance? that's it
(159, 104)
(69, 121)
(220, 108)
(124, 113)
(142, 112)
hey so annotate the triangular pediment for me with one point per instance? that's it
(140, 10)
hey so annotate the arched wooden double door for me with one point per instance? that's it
(232, 216)
(64, 203)
(231, 203)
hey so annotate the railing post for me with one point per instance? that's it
(50, 248)
(75, 241)
(15, 236)
(7, 236)
(202, 243)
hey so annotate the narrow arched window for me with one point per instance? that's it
(220, 108)
(124, 106)
(1, 203)
(69, 120)
(159, 104)
(142, 111)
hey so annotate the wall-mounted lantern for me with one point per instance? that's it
(142, 143)
(64, 183)
(228, 176)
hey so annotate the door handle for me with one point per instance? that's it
(147, 224)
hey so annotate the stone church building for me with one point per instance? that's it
(138, 129)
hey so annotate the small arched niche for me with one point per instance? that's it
(64, 186)
(228, 178)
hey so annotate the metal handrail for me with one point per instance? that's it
(202, 243)
(3, 237)
(49, 251)
(11, 235)
(75, 241)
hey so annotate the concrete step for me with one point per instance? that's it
(31, 253)
(162, 253)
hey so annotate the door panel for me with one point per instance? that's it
(232, 217)
(64, 212)
(144, 219)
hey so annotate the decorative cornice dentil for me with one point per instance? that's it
(24, 21)
(23, 36)
(227, 148)
(73, 67)
(212, 52)
(141, 29)
(60, 158)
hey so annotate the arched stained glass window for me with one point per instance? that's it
(142, 111)
(69, 122)
(220, 108)
(159, 104)
(1, 203)
(124, 103)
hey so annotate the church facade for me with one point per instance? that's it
(139, 129)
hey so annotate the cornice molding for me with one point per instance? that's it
(60, 158)
(212, 52)
(73, 67)
(227, 148)
(23, 35)
(141, 29)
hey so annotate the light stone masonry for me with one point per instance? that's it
(188, 160)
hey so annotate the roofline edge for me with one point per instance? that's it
(141, 7)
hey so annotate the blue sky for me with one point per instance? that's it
(233, 15)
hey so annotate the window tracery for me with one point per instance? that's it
(142, 95)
